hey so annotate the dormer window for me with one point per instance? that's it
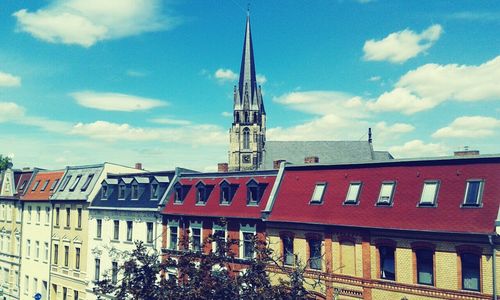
(65, 183)
(353, 193)
(121, 191)
(54, 184)
(154, 191)
(386, 193)
(227, 192)
(429, 193)
(473, 192)
(254, 192)
(87, 182)
(202, 193)
(75, 183)
(135, 191)
(44, 186)
(319, 191)
(104, 192)
(35, 185)
(179, 193)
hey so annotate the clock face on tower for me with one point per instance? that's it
(246, 158)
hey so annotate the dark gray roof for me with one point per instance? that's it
(328, 152)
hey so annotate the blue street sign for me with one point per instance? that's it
(38, 296)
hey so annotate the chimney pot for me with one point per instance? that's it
(222, 167)
(277, 163)
(311, 160)
(138, 166)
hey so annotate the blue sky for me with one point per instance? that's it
(87, 81)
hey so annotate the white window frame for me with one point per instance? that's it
(359, 185)
(317, 192)
(246, 228)
(172, 223)
(195, 225)
(391, 196)
(217, 227)
(436, 192)
(76, 182)
(479, 198)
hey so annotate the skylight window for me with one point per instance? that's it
(386, 193)
(317, 196)
(429, 193)
(23, 185)
(35, 185)
(65, 183)
(54, 184)
(353, 193)
(45, 185)
(75, 183)
(473, 193)
(87, 182)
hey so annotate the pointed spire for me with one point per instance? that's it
(247, 85)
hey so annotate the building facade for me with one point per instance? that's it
(37, 234)
(124, 211)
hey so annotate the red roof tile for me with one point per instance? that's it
(42, 177)
(292, 201)
(238, 207)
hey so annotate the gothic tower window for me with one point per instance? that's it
(246, 138)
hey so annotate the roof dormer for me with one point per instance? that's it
(227, 191)
(203, 192)
(255, 191)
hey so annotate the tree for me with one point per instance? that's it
(5, 162)
(197, 275)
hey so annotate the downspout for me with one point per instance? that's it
(494, 250)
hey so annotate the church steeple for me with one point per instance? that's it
(249, 124)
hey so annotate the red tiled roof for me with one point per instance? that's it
(292, 200)
(238, 207)
(38, 194)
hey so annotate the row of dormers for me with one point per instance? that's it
(134, 188)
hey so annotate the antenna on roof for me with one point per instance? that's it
(370, 135)
(248, 9)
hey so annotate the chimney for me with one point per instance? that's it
(277, 163)
(222, 167)
(466, 152)
(311, 160)
(138, 166)
(370, 135)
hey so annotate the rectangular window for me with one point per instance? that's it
(56, 254)
(387, 266)
(75, 183)
(104, 192)
(317, 196)
(386, 193)
(219, 236)
(135, 192)
(116, 232)
(76, 296)
(179, 195)
(471, 271)
(79, 219)
(66, 256)
(65, 293)
(35, 185)
(473, 193)
(201, 197)
(37, 249)
(26, 284)
(46, 251)
(57, 216)
(38, 214)
(154, 191)
(315, 254)
(253, 194)
(129, 230)
(121, 192)
(114, 273)
(87, 182)
(65, 182)
(77, 258)
(29, 214)
(54, 184)
(353, 193)
(28, 248)
(149, 232)
(44, 186)
(45, 287)
(425, 266)
(23, 185)
(225, 194)
(429, 193)
(288, 256)
(98, 233)
(35, 284)
(68, 217)
(97, 272)
(172, 245)
(248, 245)
(196, 236)
(47, 215)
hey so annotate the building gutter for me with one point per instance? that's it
(494, 265)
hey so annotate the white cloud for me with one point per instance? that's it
(115, 101)
(261, 79)
(170, 121)
(226, 114)
(382, 132)
(9, 80)
(417, 148)
(469, 127)
(481, 16)
(431, 84)
(10, 111)
(85, 22)
(375, 78)
(112, 131)
(134, 73)
(224, 75)
(400, 46)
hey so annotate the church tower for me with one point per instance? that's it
(247, 135)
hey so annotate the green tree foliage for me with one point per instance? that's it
(197, 275)
(5, 162)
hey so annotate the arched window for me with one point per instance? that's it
(246, 138)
